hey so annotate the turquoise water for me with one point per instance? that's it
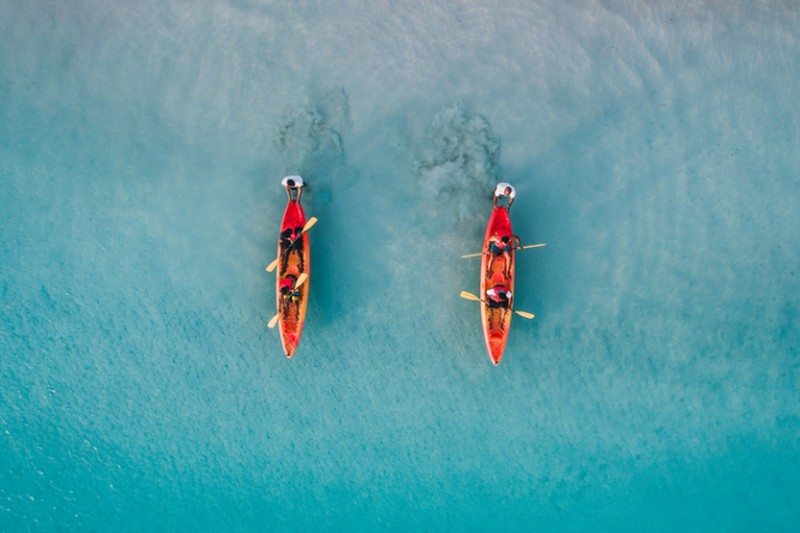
(653, 146)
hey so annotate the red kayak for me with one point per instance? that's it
(497, 273)
(294, 259)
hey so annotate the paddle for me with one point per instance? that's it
(469, 296)
(517, 248)
(308, 226)
(300, 280)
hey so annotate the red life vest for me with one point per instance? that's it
(495, 292)
(287, 287)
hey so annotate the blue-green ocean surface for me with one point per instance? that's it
(654, 148)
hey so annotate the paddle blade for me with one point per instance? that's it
(472, 255)
(309, 224)
(273, 321)
(300, 280)
(523, 314)
(469, 296)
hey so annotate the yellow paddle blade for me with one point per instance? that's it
(523, 314)
(309, 224)
(301, 279)
(273, 321)
(471, 255)
(272, 266)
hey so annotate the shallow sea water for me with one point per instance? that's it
(653, 146)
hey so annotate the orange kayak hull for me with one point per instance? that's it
(496, 270)
(292, 314)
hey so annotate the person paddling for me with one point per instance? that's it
(499, 297)
(291, 240)
(502, 246)
(288, 288)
